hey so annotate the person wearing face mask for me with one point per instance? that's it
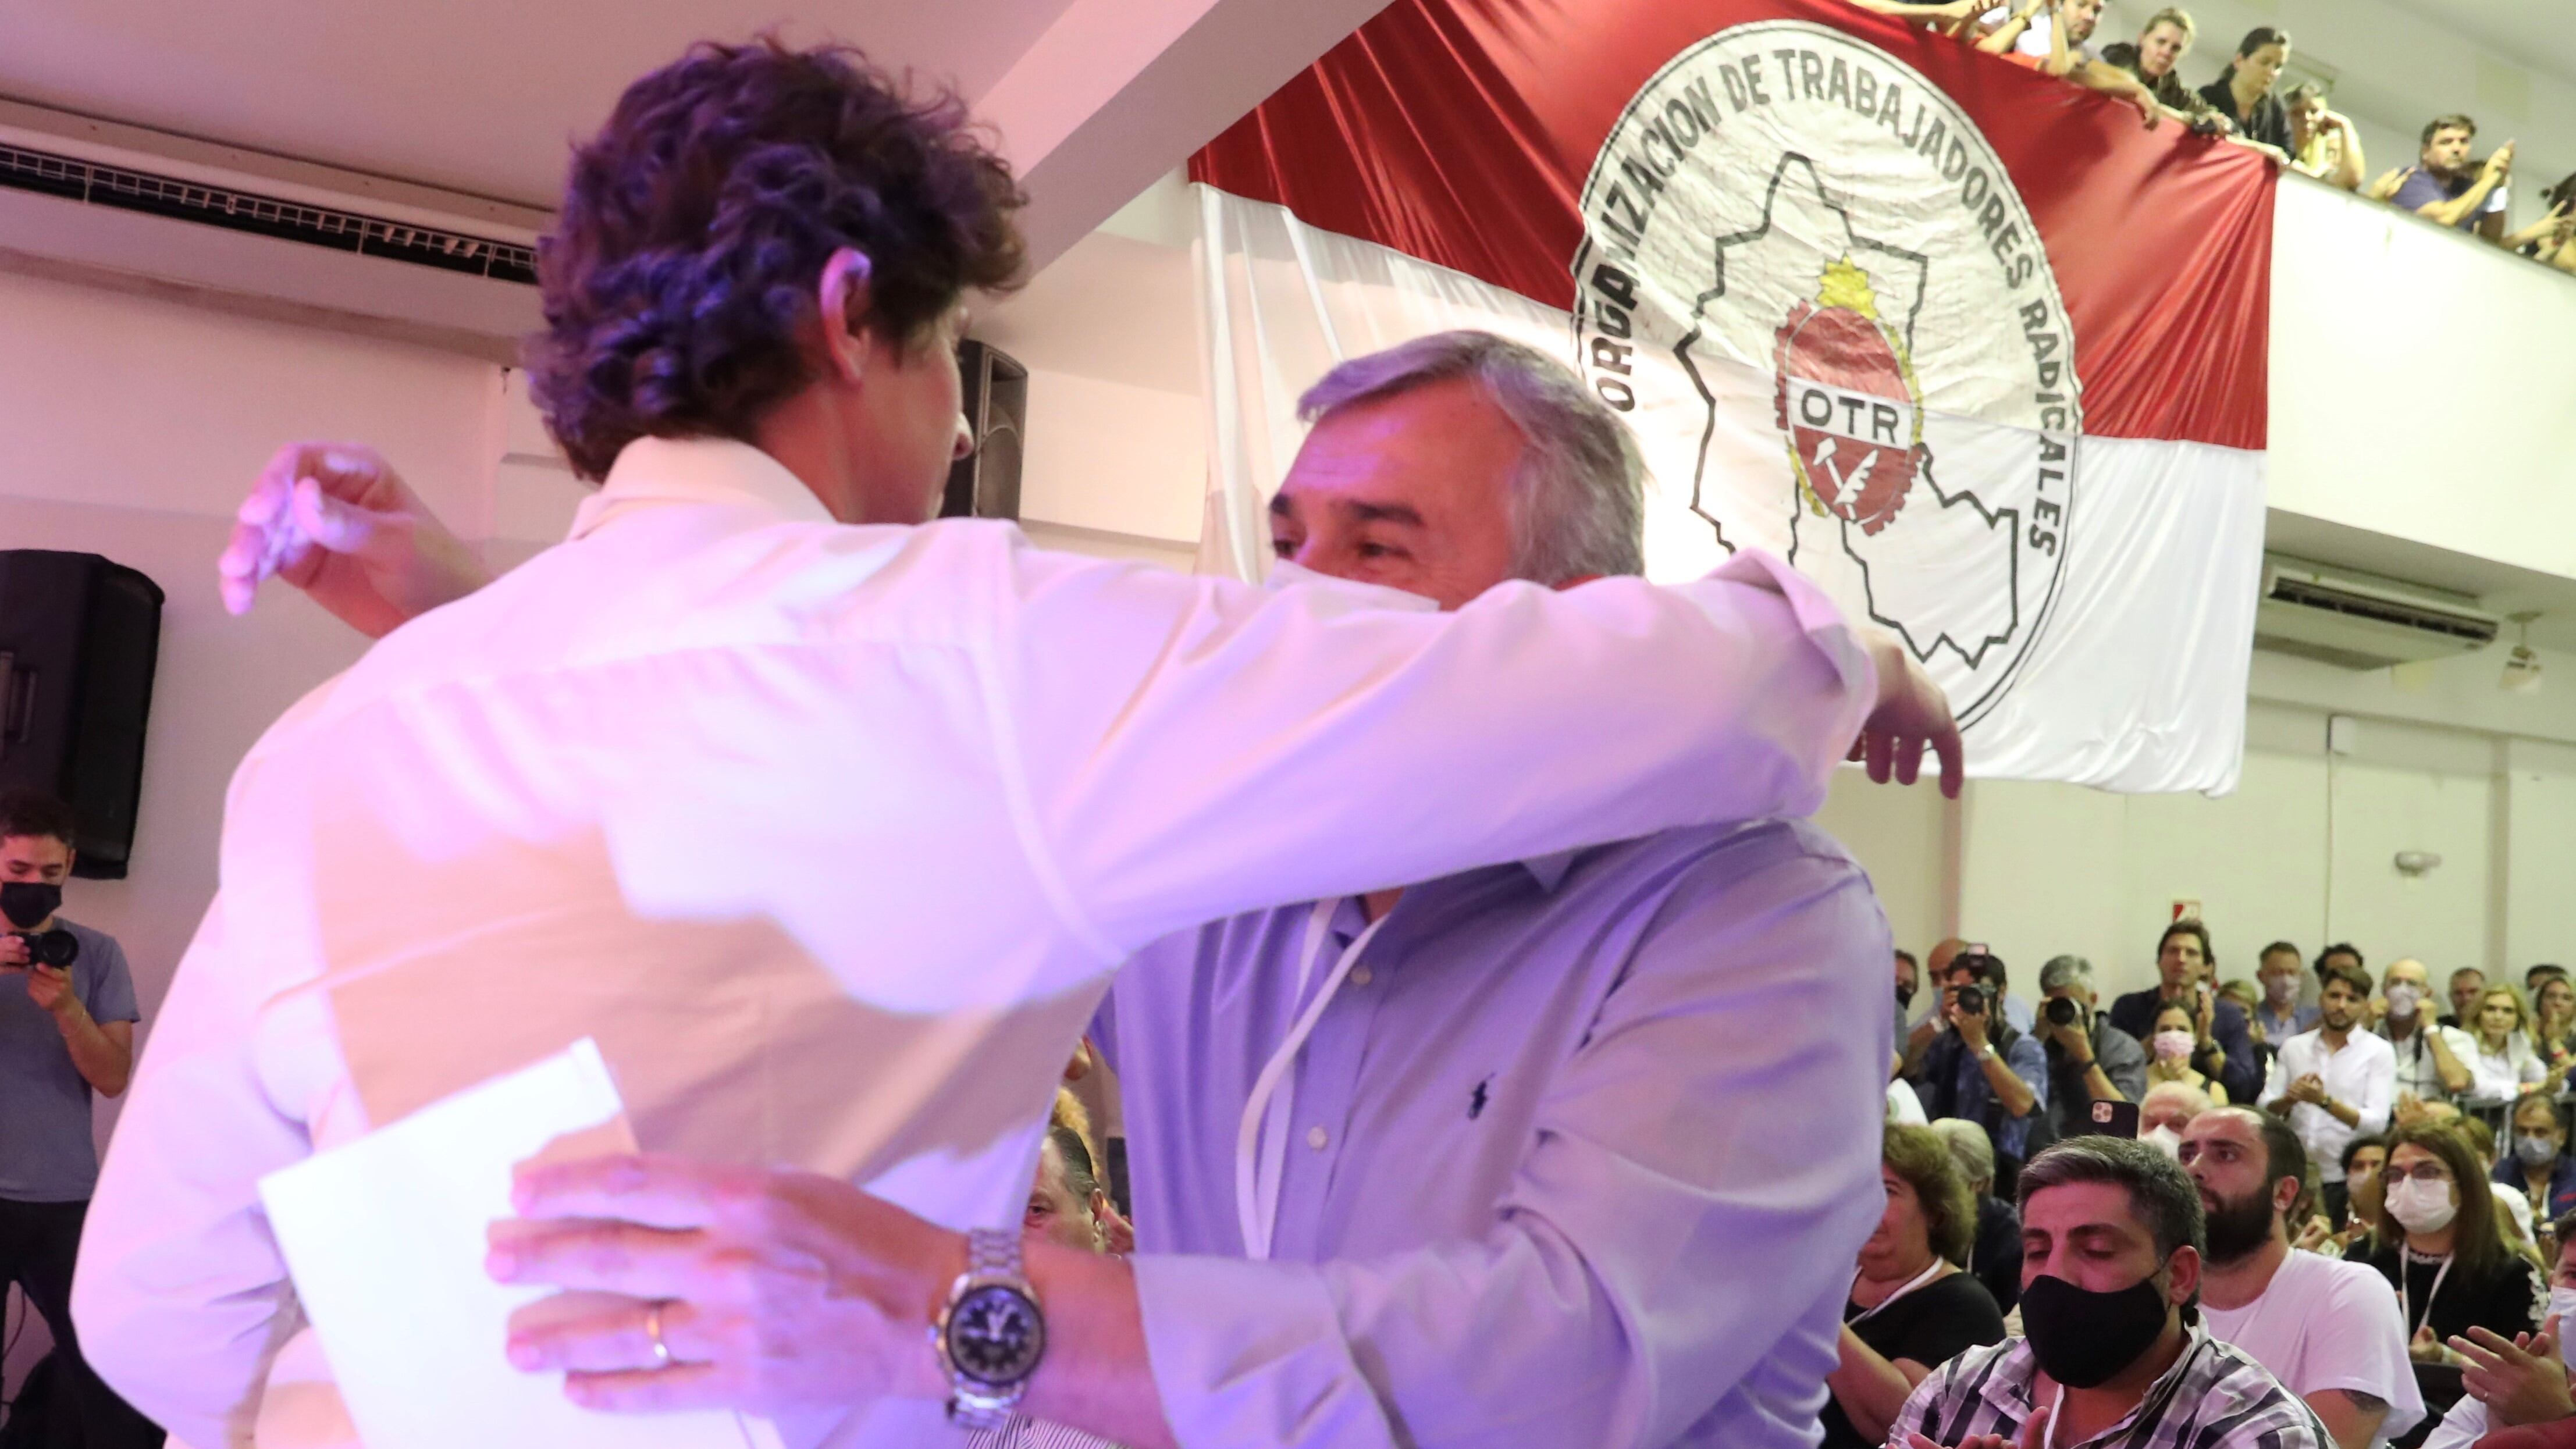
(2522, 1381)
(2437, 1244)
(2279, 1016)
(2432, 1059)
(2327, 1329)
(2165, 1111)
(2170, 1045)
(2222, 1049)
(2334, 1082)
(66, 1038)
(2112, 1266)
(2539, 1166)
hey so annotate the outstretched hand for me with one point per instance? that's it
(336, 521)
(2523, 1382)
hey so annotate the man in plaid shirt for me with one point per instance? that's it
(2114, 1354)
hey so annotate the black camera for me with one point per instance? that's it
(1971, 999)
(58, 948)
(2062, 1011)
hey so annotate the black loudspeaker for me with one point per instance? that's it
(986, 483)
(79, 637)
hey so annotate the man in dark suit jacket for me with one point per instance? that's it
(2224, 1052)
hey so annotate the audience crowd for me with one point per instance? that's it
(2244, 101)
(2339, 1208)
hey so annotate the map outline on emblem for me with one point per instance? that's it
(1877, 223)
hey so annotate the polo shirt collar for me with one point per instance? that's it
(707, 472)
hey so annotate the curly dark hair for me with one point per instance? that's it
(681, 278)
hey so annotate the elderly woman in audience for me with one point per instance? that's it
(2538, 1166)
(2165, 1110)
(2504, 1063)
(2437, 1243)
(2171, 1045)
(1911, 1307)
(1994, 1252)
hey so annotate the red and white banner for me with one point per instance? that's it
(1967, 344)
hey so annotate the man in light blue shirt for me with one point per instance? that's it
(1571, 1150)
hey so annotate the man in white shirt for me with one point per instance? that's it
(2334, 1083)
(830, 835)
(2327, 1329)
(2433, 1060)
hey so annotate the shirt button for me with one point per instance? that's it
(1362, 976)
(1316, 1137)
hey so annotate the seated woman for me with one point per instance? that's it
(1911, 1308)
(2437, 1243)
(2539, 1165)
(1994, 1250)
(2504, 1064)
(2172, 1044)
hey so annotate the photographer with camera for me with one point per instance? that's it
(69, 1033)
(1982, 1070)
(2089, 1059)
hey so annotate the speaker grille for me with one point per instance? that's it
(126, 189)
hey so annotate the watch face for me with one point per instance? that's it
(995, 1335)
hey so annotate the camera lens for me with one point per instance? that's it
(2061, 1011)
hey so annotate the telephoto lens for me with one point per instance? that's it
(2061, 1011)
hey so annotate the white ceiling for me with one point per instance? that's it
(2539, 35)
(479, 96)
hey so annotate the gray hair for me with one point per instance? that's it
(1969, 1147)
(2160, 1192)
(2065, 971)
(1578, 496)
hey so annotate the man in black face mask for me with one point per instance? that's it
(66, 1031)
(2113, 1352)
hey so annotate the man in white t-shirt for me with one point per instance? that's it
(2328, 1330)
(2335, 1083)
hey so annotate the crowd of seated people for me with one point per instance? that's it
(2245, 101)
(2379, 1229)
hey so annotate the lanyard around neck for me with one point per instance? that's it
(1917, 1281)
(2406, 1256)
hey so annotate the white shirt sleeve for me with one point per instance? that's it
(2278, 1085)
(2359, 1346)
(188, 1300)
(2464, 1425)
(1194, 748)
(2378, 1094)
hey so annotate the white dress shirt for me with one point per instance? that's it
(2362, 1076)
(831, 837)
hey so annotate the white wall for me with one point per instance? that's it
(2303, 851)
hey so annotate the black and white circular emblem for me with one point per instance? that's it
(1815, 290)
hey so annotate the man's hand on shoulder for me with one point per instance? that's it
(336, 520)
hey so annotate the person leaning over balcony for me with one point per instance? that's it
(2323, 143)
(2243, 92)
(2443, 187)
(2156, 59)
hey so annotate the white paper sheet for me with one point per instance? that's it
(386, 1239)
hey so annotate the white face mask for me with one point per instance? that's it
(2281, 989)
(2420, 1206)
(2562, 1306)
(2402, 999)
(2164, 1139)
(2173, 1046)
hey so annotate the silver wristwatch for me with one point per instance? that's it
(990, 1334)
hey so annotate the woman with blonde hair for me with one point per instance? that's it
(2504, 1063)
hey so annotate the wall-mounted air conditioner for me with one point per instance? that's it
(2363, 621)
(114, 205)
